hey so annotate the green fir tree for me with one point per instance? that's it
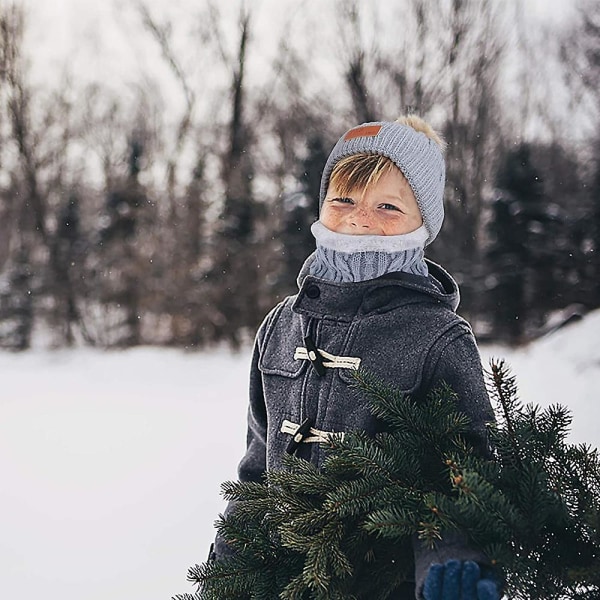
(345, 530)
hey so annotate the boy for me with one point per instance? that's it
(368, 296)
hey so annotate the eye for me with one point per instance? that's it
(387, 206)
(343, 200)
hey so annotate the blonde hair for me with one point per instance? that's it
(359, 171)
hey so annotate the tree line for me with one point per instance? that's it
(125, 221)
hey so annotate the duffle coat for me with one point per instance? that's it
(401, 327)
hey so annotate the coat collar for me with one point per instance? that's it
(346, 301)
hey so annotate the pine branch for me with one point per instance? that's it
(345, 530)
(504, 390)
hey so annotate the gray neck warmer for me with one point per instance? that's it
(345, 258)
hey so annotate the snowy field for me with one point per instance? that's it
(110, 463)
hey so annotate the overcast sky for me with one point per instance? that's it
(106, 37)
(93, 41)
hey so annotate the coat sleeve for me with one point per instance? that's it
(455, 360)
(253, 464)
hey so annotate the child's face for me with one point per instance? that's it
(387, 207)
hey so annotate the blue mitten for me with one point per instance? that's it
(458, 580)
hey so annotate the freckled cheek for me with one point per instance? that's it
(330, 219)
(392, 228)
(338, 215)
(401, 226)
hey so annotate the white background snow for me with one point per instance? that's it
(110, 463)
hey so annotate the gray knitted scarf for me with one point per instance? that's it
(344, 258)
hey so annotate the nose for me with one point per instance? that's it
(362, 220)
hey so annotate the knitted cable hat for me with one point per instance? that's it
(418, 157)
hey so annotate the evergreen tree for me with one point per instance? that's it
(121, 249)
(299, 211)
(564, 280)
(67, 256)
(185, 296)
(522, 254)
(235, 281)
(16, 304)
(591, 226)
(345, 530)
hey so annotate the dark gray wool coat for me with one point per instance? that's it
(402, 327)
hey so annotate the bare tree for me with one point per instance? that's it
(161, 33)
(10, 49)
(41, 177)
(234, 277)
(473, 66)
(580, 71)
(580, 53)
(32, 215)
(356, 69)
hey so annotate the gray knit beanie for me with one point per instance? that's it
(418, 157)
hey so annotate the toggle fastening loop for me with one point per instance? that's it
(329, 361)
(305, 433)
(316, 360)
(299, 435)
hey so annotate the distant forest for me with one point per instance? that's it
(119, 229)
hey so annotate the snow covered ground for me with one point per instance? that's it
(110, 463)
